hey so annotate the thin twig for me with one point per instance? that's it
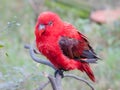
(80, 79)
(43, 85)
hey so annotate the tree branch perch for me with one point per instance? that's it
(80, 79)
(55, 81)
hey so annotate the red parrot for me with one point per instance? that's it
(65, 47)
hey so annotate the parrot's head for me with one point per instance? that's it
(47, 21)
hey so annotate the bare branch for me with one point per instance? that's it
(58, 81)
(43, 85)
(80, 79)
(53, 82)
(36, 59)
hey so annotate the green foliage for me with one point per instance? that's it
(1, 45)
(62, 6)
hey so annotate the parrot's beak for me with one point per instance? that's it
(41, 27)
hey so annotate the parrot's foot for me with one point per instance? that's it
(60, 72)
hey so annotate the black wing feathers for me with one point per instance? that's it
(73, 48)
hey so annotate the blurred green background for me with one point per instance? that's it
(17, 20)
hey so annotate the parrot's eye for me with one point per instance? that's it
(50, 23)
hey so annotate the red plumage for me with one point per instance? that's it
(63, 45)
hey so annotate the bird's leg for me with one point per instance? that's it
(60, 72)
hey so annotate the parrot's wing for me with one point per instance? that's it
(77, 50)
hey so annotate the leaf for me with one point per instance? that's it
(6, 54)
(1, 44)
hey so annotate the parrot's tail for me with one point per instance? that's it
(85, 67)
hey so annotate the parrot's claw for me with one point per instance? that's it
(60, 72)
